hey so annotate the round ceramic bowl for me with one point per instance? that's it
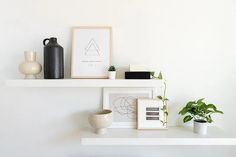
(100, 121)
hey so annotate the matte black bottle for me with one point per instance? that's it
(53, 59)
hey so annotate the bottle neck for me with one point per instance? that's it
(53, 40)
(30, 56)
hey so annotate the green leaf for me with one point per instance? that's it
(187, 118)
(112, 68)
(159, 97)
(152, 73)
(166, 99)
(217, 111)
(183, 111)
(187, 108)
(193, 110)
(214, 108)
(200, 104)
(164, 108)
(200, 100)
(209, 111)
(166, 113)
(211, 106)
(190, 103)
(160, 76)
(209, 119)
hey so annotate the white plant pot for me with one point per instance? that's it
(200, 127)
(112, 75)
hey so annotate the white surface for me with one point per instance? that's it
(172, 136)
(84, 83)
(191, 41)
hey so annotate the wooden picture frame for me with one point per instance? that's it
(150, 115)
(91, 52)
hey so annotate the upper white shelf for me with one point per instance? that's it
(172, 136)
(83, 83)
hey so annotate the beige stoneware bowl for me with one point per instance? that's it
(100, 121)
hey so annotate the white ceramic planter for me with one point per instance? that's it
(100, 121)
(200, 127)
(112, 75)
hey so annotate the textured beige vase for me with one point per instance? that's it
(100, 121)
(30, 67)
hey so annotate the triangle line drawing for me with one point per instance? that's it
(92, 48)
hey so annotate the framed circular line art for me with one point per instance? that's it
(123, 103)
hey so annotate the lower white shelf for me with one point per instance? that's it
(172, 136)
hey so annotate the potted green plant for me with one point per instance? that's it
(112, 72)
(201, 113)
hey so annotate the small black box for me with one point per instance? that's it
(137, 75)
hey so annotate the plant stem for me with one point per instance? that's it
(164, 96)
(164, 103)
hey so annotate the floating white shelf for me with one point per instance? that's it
(172, 136)
(83, 83)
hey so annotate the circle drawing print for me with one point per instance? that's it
(125, 107)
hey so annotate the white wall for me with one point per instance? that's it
(191, 41)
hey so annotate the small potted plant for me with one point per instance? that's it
(201, 113)
(112, 72)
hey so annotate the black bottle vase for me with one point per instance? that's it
(53, 59)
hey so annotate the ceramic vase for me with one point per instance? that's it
(200, 127)
(30, 67)
(100, 121)
(112, 75)
(53, 59)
